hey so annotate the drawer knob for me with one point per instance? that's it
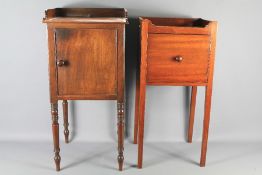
(178, 58)
(60, 63)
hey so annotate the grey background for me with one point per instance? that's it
(236, 105)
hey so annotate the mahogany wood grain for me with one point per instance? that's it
(137, 105)
(162, 83)
(121, 95)
(86, 62)
(192, 114)
(178, 52)
(52, 65)
(120, 131)
(66, 124)
(176, 30)
(142, 89)
(87, 20)
(163, 49)
(208, 95)
(86, 13)
(178, 26)
(55, 129)
(177, 22)
(90, 61)
(74, 25)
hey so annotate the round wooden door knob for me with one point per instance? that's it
(178, 58)
(60, 63)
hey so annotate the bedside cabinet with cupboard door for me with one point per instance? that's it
(86, 62)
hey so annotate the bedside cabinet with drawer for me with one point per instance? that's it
(175, 52)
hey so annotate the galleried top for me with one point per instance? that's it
(86, 15)
(193, 26)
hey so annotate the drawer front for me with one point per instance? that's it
(86, 61)
(177, 58)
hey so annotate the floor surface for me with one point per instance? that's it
(159, 158)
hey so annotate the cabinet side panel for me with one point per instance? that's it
(121, 63)
(52, 65)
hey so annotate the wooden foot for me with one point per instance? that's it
(120, 125)
(206, 125)
(136, 108)
(55, 129)
(66, 124)
(192, 113)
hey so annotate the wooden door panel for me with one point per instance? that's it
(90, 59)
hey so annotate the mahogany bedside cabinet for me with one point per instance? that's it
(175, 52)
(86, 62)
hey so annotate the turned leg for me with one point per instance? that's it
(206, 125)
(66, 124)
(192, 113)
(141, 111)
(55, 129)
(120, 125)
(136, 109)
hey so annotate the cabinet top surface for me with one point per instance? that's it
(85, 15)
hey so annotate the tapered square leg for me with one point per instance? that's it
(141, 112)
(66, 124)
(136, 108)
(120, 125)
(192, 114)
(142, 89)
(206, 125)
(55, 129)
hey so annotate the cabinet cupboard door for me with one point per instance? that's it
(86, 61)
